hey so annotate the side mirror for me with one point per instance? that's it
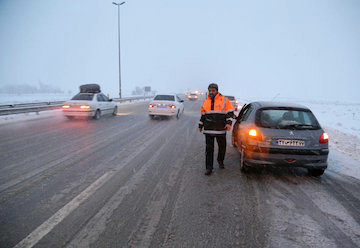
(110, 100)
(181, 100)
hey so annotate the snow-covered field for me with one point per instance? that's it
(29, 98)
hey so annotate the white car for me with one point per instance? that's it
(89, 105)
(193, 97)
(166, 105)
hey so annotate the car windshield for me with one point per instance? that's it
(193, 94)
(231, 98)
(164, 98)
(286, 119)
(83, 97)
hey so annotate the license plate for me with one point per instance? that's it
(284, 142)
(161, 106)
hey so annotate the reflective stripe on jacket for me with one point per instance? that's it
(215, 114)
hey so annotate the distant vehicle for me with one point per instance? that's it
(280, 134)
(233, 102)
(90, 102)
(166, 105)
(192, 97)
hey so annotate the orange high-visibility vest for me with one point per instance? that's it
(216, 114)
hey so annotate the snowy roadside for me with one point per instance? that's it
(8, 119)
(344, 157)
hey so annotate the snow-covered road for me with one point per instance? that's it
(127, 181)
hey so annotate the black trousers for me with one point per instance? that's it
(221, 140)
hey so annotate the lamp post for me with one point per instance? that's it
(118, 5)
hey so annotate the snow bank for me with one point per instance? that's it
(29, 98)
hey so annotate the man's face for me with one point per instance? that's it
(212, 92)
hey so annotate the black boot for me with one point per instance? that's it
(208, 172)
(221, 165)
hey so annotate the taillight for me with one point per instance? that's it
(66, 106)
(172, 106)
(84, 106)
(324, 138)
(254, 134)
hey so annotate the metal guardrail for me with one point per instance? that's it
(29, 107)
(19, 108)
(130, 99)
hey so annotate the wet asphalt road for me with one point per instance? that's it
(128, 181)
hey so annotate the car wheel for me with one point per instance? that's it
(70, 117)
(178, 115)
(243, 166)
(97, 115)
(115, 111)
(316, 172)
(151, 117)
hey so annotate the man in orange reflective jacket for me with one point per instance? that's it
(216, 118)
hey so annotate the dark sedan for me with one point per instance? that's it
(280, 134)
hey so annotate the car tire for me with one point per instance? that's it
(114, 113)
(178, 115)
(151, 117)
(316, 172)
(70, 117)
(243, 167)
(97, 115)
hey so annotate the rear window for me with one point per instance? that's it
(193, 94)
(165, 98)
(286, 118)
(231, 98)
(83, 97)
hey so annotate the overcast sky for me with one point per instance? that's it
(254, 48)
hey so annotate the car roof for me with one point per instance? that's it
(265, 104)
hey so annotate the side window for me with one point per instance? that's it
(247, 113)
(177, 99)
(105, 98)
(100, 98)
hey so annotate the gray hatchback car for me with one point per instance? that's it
(280, 134)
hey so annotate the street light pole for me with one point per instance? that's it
(118, 5)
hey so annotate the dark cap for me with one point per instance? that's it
(215, 86)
